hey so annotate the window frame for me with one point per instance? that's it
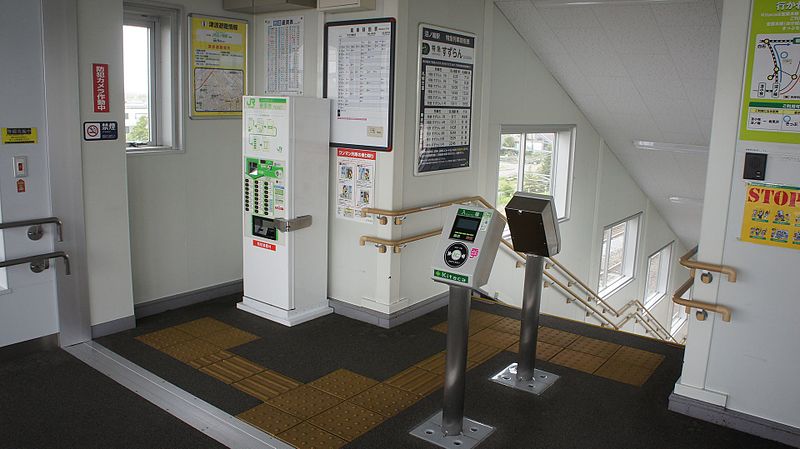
(565, 137)
(166, 93)
(675, 325)
(664, 270)
(630, 250)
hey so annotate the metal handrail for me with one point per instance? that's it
(586, 303)
(690, 304)
(38, 258)
(730, 272)
(583, 285)
(35, 222)
(398, 215)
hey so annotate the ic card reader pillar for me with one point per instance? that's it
(534, 232)
(463, 260)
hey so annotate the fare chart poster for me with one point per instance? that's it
(444, 124)
(771, 100)
(772, 215)
(219, 66)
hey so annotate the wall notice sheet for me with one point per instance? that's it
(446, 64)
(219, 66)
(355, 183)
(359, 67)
(771, 100)
(772, 215)
(284, 56)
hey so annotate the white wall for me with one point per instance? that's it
(185, 222)
(524, 92)
(104, 173)
(750, 364)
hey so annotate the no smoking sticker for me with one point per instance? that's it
(100, 131)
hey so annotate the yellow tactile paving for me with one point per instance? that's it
(266, 385)
(229, 338)
(556, 337)
(578, 360)
(203, 326)
(441, 327)
(495, 338)
(481, 320)
(478, 352)
(209, 359)
(307, 436)
(232, 369)
(592, 346)
(191, 350)
(437, 363)
(507, 325)
(343, 383)
(347, 421)
(269, 419)
(385, 400)
(544, 351)
(624, 372)
(164, 338)
(638, 357)
(304, 401)
(416, 380)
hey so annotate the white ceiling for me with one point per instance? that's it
(639, 71)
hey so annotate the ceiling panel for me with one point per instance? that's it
(638, 71)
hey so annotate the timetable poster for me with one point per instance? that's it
(284, 56)
(218, 66)
(359, 67)
(355, 183)
(772, 215)
(446, 65)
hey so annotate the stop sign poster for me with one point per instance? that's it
(772, 215)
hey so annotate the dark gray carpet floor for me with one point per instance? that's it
(581, 411)
(52, 400)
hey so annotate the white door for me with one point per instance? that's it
(29, 301)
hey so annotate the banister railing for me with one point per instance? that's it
(690, 304)
(35, 226)
(640, 314)
(692, 265)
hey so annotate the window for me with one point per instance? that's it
(536, 159)
(679, 316)
(152, 78)
(618, 254)
(658, 267)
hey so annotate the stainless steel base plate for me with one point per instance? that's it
(542, 380)
(472, 435)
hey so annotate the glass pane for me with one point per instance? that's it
(653, 268)
(678, 313)
(538, 163)
(508, 169)
(136, 60)
(604, 259)
(616, 253)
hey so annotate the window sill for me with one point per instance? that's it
(651, 302)
(135, 151)
(674, 329)
(615, 287)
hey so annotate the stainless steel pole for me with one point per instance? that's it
(529, 331)
(456, 360)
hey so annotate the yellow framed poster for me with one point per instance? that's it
(218, 76)
(771, 215)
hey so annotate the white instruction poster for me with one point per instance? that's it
(284, 56)
(355, 183)
(359, 64)
(446, 64)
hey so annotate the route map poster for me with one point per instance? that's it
(444, 124)
(219, 66)
(771, 100)
(355, 183)
(772, 215)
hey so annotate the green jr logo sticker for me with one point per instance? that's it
(451, 276)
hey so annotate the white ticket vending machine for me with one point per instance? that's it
(285, 207)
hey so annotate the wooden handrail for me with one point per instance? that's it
(730, 272)
(587, 304)
(583, 285)
(692, 304)
(396, 244)
(383, 213)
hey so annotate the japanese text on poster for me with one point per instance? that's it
(771, 100)
(772, 215)
(355, 183)
(360, 80)
(100, 87)
(284, 56)
(446, 63)
(218, 76)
